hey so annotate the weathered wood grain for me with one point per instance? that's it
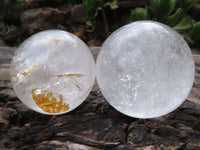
(94, 124)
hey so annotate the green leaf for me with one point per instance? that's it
(138, 14)
(97, 11)
(91, 29)
(91, 7)
(186, 5)
(162, 8)
(113, 5)
(3, 28)
(188, 38)
(196, 32)
(184, 24)
(89, 22)
(175, 18)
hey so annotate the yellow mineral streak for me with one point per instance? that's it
(24, 73)
(33, 69)
(68, 75)
(47, 102)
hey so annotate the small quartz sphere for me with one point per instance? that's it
(52, 72)
(145, 69)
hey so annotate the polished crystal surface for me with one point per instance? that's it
(145, 69)
(52, 72)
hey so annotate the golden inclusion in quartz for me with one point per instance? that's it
(52, 72)
(48, 103)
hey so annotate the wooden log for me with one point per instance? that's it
(94, 125)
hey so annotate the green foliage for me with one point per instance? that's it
(196, 33)
(93, 8)
(188, 38)
(172, 13)
(175, 18)
(138, 14)
(9, 16)
(186, 5)
(5, 29)
(162, 8)
(184, 24)
(166, 12)
(113, 5)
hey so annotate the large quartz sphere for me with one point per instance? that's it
(145, 69)
(52, 72)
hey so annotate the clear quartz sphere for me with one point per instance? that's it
(145, 69)
(52, 72)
